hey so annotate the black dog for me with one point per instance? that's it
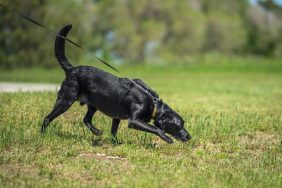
(118, 98)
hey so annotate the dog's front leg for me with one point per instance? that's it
(139, 125)
(88, 121)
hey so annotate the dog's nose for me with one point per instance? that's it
(188, 137)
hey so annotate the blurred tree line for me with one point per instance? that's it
(140, 31)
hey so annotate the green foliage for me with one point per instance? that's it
(233, 112)
(19, 42)
(264, 31)
(148, 29)
(24, 44)
(153, 32)
(225, 33)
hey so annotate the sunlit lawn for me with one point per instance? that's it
(233, 113)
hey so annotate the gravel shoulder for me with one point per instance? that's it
(26, 87)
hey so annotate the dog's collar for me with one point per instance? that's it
(154, 113)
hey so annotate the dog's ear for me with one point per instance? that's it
(164, 121)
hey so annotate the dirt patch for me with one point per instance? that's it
(85, 176)
(13, 169)
(99, 156)
(208, 147)
(259, 138)
(259, 141)
(24, 87)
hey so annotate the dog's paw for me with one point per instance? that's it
(165, 137)
(97, 132)
(44, 126)
(168, 140)
(42, 130)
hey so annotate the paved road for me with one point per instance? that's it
(24, 87)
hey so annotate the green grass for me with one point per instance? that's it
(196, 65)
(233, 112)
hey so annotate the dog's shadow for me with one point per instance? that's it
(68, 135)
(95, 141)
(109, 142)
(100, 141)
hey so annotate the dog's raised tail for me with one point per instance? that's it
(60, 48)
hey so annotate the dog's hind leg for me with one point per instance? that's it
(66, 97)
(115, 125)
(88, 120)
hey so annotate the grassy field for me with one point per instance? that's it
(233, 112)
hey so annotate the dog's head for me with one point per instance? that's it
(170, 122)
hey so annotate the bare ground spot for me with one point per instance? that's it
(86, 176)
(14, 169)
(26, 87)
(259, 142)
(209, 147)
(99, 156)
(60, 171)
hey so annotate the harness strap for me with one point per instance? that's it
(154, 99)
(154, 113)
